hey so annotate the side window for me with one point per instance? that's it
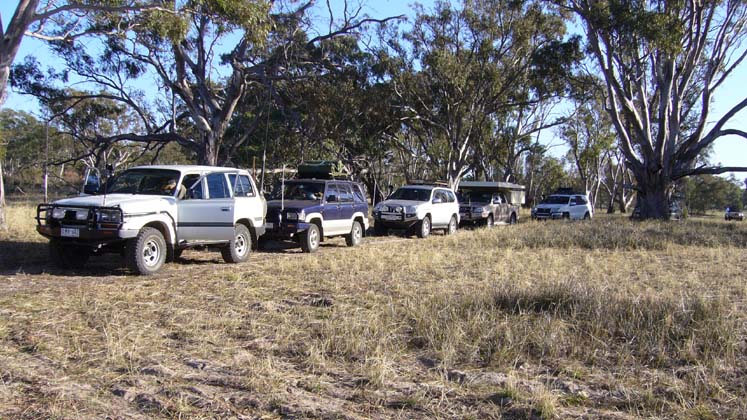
(439, 194)
(497, 199)
(346, 195)
(360, 197)
(192, 188)
(574, 200)
(332, 194)
(217, 187)
(242, 187)
(451, 196)
(581, 199)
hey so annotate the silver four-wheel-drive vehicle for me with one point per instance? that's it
(487, 203)
(150, 214)
(419, 209)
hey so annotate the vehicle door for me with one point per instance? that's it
(576, 206)
(247, 206)
(440, 206)
(331, 210)
(206, 212)
(347, 206)
(499, 209)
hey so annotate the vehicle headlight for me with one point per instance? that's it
(108, 216)
(58, 213)
(411, 209)
(378, 206)
(291, 215)
(480, 209)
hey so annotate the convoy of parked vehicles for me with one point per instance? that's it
(150, 214)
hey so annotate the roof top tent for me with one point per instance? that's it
(323, 169)
(515, 193)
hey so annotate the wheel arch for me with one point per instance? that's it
(250, 226)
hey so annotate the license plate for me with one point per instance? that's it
(390, 217)
(70, 232)
(269, 225)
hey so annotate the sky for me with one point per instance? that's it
(728, 151)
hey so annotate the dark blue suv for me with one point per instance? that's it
(309, 210)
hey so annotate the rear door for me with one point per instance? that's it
(441, 208)
(347, 206)
(331, 210)
(206, 213)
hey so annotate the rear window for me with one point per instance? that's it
(242, 187)
(360, 197)
(346, 194)
(217, 186)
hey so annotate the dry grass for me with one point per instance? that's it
(606, 319)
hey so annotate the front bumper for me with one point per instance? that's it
(84, 235)
(545, 216)
(473, 217)
(285, 230)
(396, 220)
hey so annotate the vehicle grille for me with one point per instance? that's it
(543, 211)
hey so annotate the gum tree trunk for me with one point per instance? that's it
(654, 189)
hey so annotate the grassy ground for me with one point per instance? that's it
(605, 319)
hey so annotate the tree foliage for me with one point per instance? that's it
(662, 61)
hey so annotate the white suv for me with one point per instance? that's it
(150, 214)
(564, 205)
(420, 208)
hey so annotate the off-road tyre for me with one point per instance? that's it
(512, 219)
(424, 227)
(355, 236)
(238, 250)
(67, 256)
(145, 254)
(489, 222)
(310, 239)
(587, 216)
(452, 226)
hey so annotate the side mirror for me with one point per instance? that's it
(92, 182)
(91, 189)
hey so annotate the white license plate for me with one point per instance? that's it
(390, 217)
(70, 232)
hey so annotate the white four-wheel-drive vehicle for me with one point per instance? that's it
(419, 208)
(150, 214)
(730, 214)
(564, 204)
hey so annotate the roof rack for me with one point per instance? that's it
(567, 191)
(424, 182)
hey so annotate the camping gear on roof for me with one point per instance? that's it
(323, 169)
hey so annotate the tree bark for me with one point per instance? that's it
(653, 195)
(3, 223)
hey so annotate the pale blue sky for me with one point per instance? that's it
(729, 151)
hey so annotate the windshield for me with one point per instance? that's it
(299, 191)
(411, 194)
(556, 199)
(144, 181)
(474, 197)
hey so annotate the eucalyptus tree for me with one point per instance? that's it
(591, 140)
(462, 71)
(663, 62)
(205, 56)
(56, 20)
